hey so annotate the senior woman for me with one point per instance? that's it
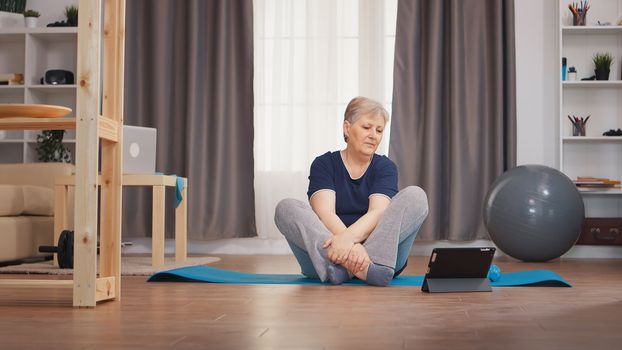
(357, 223)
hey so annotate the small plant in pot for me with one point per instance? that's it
(30, 18)
(13, 6)
(602, 65)
(71, 12)
(50, 147)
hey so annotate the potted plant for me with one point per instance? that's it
(30, 18)
(50, 147)
(71, 12)
(602, 65)
(13, 6)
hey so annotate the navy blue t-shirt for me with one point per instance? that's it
(328, 172)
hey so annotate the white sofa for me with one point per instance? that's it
(27, 207)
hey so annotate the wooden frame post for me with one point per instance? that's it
(88, 289)
(181, 226)
(112, 152)
(60, 214)
(157, 225)
(87, 155)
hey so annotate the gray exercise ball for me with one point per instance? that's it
(534, 213)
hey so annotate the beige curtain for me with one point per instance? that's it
(189, 73)
(454, 107)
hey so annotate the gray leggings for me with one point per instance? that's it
(389, 243)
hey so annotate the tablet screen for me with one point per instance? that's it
(460, 262)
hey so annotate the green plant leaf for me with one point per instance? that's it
(50, 147)
(602, 61)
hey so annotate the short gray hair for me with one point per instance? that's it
(360, 106)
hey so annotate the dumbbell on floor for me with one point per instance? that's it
(64, 250)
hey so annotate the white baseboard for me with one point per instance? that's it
(263, 246)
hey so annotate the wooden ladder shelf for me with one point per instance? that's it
(91, 125)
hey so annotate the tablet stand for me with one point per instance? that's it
(446, 285)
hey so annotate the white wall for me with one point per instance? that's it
(536, 82)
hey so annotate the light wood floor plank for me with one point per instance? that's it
(228, 316)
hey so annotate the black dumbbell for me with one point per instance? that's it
(64, 250)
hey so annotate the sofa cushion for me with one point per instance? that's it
(39, 174)
(12, 200)
(38, 200)
(26, 200)
(21, 236)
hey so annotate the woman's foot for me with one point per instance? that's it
(379, 275)
(337, 274)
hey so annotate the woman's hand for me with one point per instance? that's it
(339, 247)
(358, 259)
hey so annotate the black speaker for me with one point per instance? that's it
(58, 77)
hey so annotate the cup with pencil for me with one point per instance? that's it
(579, 11)
(578, 125)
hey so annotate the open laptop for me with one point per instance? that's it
(139, 150)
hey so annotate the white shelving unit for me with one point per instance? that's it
(593, 154)
(33, 51)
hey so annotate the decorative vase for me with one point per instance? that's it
(602, 74)
(31, 22)
(579, 19)
(10, 20)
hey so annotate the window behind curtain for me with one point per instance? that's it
(311, 58)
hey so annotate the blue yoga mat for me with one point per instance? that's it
(204, 273)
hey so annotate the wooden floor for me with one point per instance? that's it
(225, 316)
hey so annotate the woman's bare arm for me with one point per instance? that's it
(323, 204)
(363, 227)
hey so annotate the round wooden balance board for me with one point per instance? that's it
(18, 110)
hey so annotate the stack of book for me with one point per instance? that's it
(587, 183)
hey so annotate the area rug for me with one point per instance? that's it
(541, 278)
(130, 266)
